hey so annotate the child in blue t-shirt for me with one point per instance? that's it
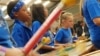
(5, 41)
(4, 33)
(21, 31)
(64, 35)
(91, 12)
(39, 14)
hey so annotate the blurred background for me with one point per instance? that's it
(50, 4)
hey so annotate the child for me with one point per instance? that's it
(4, 33)
(92, 18)
(64, 35)
(22, 27)
(82, 29)
(6, 42)
(39, 14)
(90, 11)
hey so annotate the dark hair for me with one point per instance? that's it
(79, 22)
(10, 6)
(37, 11)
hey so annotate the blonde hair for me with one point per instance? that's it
(64, 16)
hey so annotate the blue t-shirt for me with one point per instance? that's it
(63, 36)
(36, 25)
(91, 10)
(4, 32)
(21, 33)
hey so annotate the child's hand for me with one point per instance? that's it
(19, 52)
(14, 52)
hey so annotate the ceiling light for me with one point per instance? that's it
(3, 8)
(46, 3)
(38, 1)
(26, 1)
(6, 17)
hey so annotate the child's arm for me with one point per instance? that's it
(58, 44)
(64, 45)
(15, 52)
(10, 51)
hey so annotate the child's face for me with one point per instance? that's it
(23, 14)
(69, 22)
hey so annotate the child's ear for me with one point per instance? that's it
(15, 14)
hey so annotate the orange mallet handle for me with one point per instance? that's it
(53, 16)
